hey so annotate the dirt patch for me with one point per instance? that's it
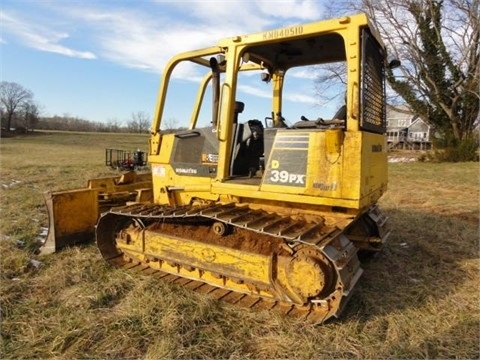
(237, 238)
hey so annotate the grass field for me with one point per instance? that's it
(419, 298)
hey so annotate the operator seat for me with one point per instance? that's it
(250, 148)
(254, 146)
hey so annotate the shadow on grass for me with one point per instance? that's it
(423, 260)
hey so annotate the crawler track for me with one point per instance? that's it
(144, 237)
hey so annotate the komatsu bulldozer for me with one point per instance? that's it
(267, 212)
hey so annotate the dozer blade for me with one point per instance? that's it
(73, 214)
(72, 217)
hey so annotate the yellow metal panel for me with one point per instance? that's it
(165, 150)
(365, 167)
(325, 164)
(297, 31)
(74, 213)
(276, 193)
(351, 165)
(323, 153)
(170, 188)
(230, 262)
(72, 216)
(374, 166)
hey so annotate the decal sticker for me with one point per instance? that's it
(325, 186)
(285, 177)
(288, 160)
(377, 148)
(288, 169)
(158, 170)
(210, 158)
(188, 171)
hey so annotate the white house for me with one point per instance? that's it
(405, 130)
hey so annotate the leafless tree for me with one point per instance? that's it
(12, 98)
(29, 115)
(438, 44)
(169, 124)
(113, 125)
(139, 123)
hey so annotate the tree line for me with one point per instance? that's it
(138, 123)
(20, 113)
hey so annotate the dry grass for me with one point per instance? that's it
(419, 298)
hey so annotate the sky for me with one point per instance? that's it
(102, 60)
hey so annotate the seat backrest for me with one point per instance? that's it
(248, 148)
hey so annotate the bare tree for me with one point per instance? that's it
(438, 43)
(12, 98)
(114, 125)
(330, 82)
(169, 124)
(29, 115)
(139, 123)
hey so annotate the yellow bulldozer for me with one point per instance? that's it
(268, 213)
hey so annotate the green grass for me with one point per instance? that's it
(418, 298)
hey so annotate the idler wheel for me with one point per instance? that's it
(310, 274)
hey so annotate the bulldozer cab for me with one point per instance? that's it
(245, 140)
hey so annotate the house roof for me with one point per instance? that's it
(399, 109)
(420, 122)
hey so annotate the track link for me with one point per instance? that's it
(312, 313)
(293, 234)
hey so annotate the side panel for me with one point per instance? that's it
(327, 164)
(365, 167)
(185, 167)
(308, 163)
(195, 153)
(374, 173)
